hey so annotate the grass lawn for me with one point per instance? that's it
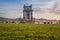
(12, 31)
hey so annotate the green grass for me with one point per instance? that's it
(12, 31)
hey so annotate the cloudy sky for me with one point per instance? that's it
(48, 9)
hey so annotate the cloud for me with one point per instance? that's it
(46, 15)
(10, 11)
(41, 8)
(56, 7)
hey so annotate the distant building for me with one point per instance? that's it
(27, 13)
(46, 21)
(41, 21)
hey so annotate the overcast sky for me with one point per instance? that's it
(41, 8)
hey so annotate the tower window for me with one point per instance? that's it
(27, 16)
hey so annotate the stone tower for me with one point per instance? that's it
(27, 13)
